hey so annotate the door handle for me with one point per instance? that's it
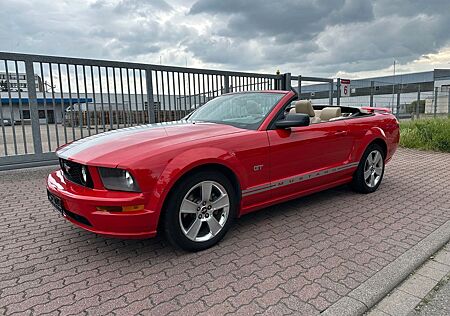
(340, 133)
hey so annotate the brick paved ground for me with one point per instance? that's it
(299, 256)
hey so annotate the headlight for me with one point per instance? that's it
(118, 180)
(84, 174)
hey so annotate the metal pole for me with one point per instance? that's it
(330, 93)
(398, 103)
(338, 90)
(299, 86)
(372, 87)
(287, 81)
(150, 104)
(226, 84)
(418, 102)
(32, 102)
(435, 100)
(448, 102)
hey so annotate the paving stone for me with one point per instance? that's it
(418, 285)
(298, 257)
(398, 303)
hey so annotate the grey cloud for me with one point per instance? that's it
(310, 37)
(288, 20)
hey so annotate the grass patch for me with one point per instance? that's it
(427, 134)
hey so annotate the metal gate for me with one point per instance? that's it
(48, 101)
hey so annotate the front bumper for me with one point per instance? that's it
(80, 204)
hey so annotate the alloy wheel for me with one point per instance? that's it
(204, 211)
(373, 168)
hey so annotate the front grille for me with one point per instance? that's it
(72, 172)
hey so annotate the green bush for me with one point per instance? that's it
(428, 134)
(412, 107)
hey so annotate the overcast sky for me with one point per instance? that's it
(347, 38)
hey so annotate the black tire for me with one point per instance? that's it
(359, 183)
(172, 219)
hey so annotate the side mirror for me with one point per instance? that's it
(293, 120)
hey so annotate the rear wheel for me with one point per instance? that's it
(369, 174)
(200, 211)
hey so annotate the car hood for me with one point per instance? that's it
(116, 147)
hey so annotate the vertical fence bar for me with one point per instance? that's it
(32, 102)
(150, 102)
(179, 114)
(330, 93)
(163, 108)
(338, 90)
(86, 101)
(418, 102)
(111, 126)
(63, 110)
(44, 95)
(226, 84)
(101, 98)
(185, 112)
(115, 97)
(189, 91)
(11, 111)
(372, 87)
(141, 84)
(299, 86)
(70, 102)
(448, 102)
(129, 97)
(122, 98)
(94, 100)
(435, 101)
(136, 97)
(157, 96)
(5, 146)
(19, 94)
(80, 113)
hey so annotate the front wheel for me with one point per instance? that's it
(369, 174)
(200, 211)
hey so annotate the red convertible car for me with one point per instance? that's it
(238, 153)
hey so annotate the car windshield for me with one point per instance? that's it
(245, 110)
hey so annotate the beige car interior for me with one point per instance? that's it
(317, 116)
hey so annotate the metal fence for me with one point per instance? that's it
(406, 100)
(48, 101)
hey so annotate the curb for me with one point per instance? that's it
(370, 292)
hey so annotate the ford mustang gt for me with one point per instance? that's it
(238, 153)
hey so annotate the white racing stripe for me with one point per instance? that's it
(297, 179)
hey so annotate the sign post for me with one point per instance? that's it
(345, 87)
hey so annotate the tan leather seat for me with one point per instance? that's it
(305, 107)
(329, 112)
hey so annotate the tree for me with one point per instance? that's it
(412, 107)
